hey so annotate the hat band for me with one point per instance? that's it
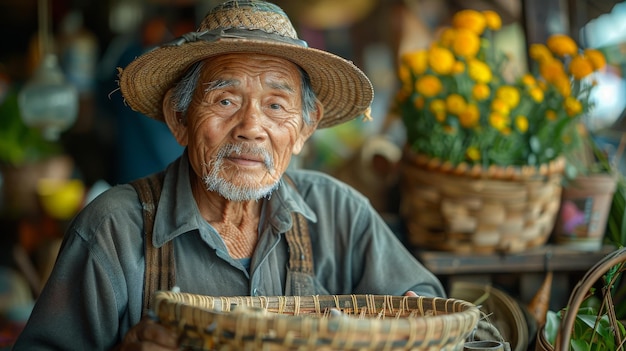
(214, 35)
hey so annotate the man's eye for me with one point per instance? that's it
(225, 102)
(275, 106)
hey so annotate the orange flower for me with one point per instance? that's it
(466, 43)
(446, 37)
(536, 94)
(428, 85)
(418, 102)
(500, 106)
(539, 53)
(470, 117)
(551, 69)
(481, 91)
(521, 123)
(494, 22)
(596, 57)
(455, 103)
(469, 19)
(438, 106)
(563, 85)
(441, 60)
(498, 121)
(417, 61)
(551, 115)
(458, 67)
(580, 67)
(572, 106)
(562, 45)
(529, 80)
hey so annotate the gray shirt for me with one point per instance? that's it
(94, 294)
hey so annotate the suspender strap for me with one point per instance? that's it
(300, 274)
(160, 268)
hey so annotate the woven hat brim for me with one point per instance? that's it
(343, 89)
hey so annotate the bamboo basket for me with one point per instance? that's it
(577, 297)
(366, 322)
(471, 209)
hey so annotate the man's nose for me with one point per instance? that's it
(250, 123)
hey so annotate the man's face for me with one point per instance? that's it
(244, 123)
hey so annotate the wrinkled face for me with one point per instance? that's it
(244, 123)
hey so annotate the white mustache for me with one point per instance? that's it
(241, 149)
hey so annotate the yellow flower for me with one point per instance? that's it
(498, 121)
(441, 60)
(562, 45)
(466, 43)
(536, 94)
(551, 69)
(596, 57)
(508, 94)
(551, 115)
(481, 91)
(563, 85)
(446, 37)
(438, 106)
(416, 60)
(539, 53)
(572, 106)
(521, 123)
(529, 80)
(580, 67)
(458, 67)
(472, 153)
(469, 19)
(455, 103)
(494, 22)
(479, 71)
(500, 106)
(428, 85)
(404, 74)
(470, 117)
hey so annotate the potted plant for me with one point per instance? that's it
(25, 157)
(486, 149)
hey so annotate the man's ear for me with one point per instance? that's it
(174, 119)
(307, 129)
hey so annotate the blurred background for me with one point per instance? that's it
(103, 143)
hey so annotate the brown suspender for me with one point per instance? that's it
(160, 265)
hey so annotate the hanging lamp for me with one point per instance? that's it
(47, 101)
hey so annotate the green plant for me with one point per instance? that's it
(459, 105)
(20, 144)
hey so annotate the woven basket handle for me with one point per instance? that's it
(580, 292)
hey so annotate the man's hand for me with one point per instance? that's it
(410, 293)
(149, 335)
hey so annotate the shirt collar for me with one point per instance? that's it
(178, 212)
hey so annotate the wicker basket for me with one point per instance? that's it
(472, 209)
(580, 292)
(366, 322)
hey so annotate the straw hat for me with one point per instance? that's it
(247, 26)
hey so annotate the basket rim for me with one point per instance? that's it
(450, 326)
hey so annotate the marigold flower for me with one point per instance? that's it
(428, 85)
(472, 153)
(441, 60)
(536, 94)
(521, 123)
(481, 91)
(437, 106)
(466, 43)
(470, 117)
(550, 70)
(500, 106)
(529, 80)
(540, 53)
(562, 45)
(563, 85)
(469, 19)
(458, 67)
(572, 106)
(440, 117)
(551, 115)
(493, 20)
(580, 67)
(509, 94)
(418, 102)
(596, 57)
(446, 38)
(404, 74)
(455, 103)
(498, 121)
(479, 71)
(417, 61)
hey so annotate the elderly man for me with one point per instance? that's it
(242, 94)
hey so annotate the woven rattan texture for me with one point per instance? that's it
(473, 210)
(366, 322)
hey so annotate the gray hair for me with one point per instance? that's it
(183, 92)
